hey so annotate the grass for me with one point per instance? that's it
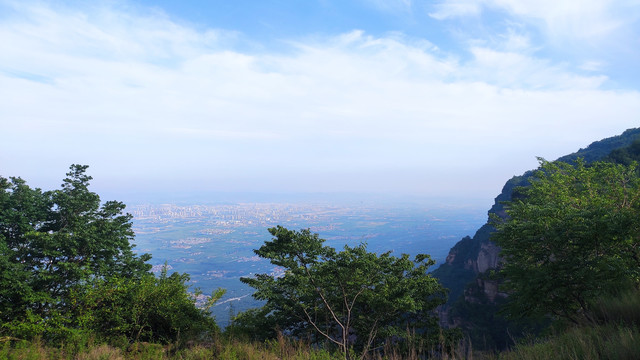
(221, 349)
(599, 342)
(623, 309)
(612, 332)
(596, 342)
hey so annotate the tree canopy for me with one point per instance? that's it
(571, 236)
(67, 264)
(354, 299)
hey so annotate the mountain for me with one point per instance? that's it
(474, 295)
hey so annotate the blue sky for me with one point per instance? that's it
(442, 98)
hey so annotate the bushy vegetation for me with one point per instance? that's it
(354, 300)
(571, 236)
(151, 309)
(612, 333)
(68, 272)
(459, 276)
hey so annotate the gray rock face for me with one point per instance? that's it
(488, 257)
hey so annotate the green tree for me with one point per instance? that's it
(570, 237)
(52, 242)
(151, 309)
(22, 211)
(353, 299)
(67, 265)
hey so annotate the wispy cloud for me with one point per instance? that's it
(137, 94)
(456, 8)
(576, 20)
(594, 66)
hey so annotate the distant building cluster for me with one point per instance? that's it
(262, 214)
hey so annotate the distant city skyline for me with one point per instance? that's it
(437, 99)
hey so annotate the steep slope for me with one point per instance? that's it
(474, 296)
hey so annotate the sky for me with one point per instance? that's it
(439, 98)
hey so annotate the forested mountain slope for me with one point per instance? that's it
(474, 296)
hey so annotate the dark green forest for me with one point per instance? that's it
(567, 277)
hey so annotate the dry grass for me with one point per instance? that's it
(227, 349)
(102, 352)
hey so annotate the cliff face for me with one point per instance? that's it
(487, 258)
(466, 271)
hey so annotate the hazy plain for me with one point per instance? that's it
(215, 243)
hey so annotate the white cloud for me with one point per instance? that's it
(511, 69)
(578, 19)
(454, 8)
(586, 21)
(593, 66)
(143, 97)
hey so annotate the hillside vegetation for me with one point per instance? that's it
(476, 294)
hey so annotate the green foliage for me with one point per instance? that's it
(150, 309)
(622, 309)
(68, 271)
(572, 236)
(600, 342)
(54, 241)
(353, 299)
(458, 274)
(254, 324)
(626, 155)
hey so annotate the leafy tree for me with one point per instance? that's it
(571, 236)
(151, 309)
(54, 241)
(67, 265)
(353, 299)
